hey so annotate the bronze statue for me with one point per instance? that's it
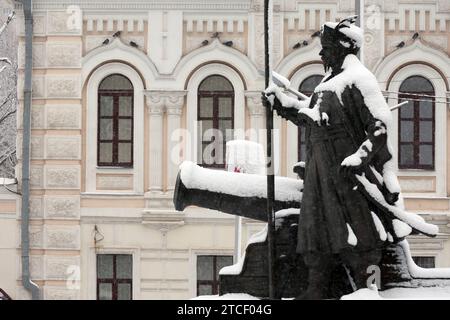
(347, 203)
(351, 206)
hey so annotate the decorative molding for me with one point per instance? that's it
(114, 182)
(63, 116)
(171, 101)
(308, 12)
(36, 177)
(111, 23)
(120, 5)
(62, 237)
(58, 268)
(91, 62)
(63, 87)
(60, 293)
(215, 23)
(163, 221)
(419, 11)
(63, 147)
(62, 207)
(62, 177)
(64, 55)
(39, 50)
(417, 184)
(254, 104)
(36, 208)
(57, 22)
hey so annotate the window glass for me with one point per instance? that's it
(114, 276)
(105, 266)
(216, 114)
(116, 82)
(215, 83)
(115, 122)
(416, 124)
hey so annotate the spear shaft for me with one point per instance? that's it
(270, 163)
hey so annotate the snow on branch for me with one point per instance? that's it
(8, 20)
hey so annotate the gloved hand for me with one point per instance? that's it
(269, 100)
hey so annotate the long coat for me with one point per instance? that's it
(342, 211)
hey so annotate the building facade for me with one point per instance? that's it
(119, 88)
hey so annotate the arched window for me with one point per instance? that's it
(216, 117)
(115, 122)
(306, 87)
(416, 124)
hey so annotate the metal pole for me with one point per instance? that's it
(270, 164)
(25, 237)
(359, 11)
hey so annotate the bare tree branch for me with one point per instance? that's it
(10, 17)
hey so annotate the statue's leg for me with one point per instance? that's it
(359, 262)
(320, 267)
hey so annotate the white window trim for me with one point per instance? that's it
(92, 270)
(193, 265)
(91, 127)
(440, 166)
(192, 100)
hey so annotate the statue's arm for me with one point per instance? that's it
(286, 107)
(376, 135)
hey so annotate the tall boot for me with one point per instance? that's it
(318, 282)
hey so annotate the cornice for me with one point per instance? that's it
(132, 5)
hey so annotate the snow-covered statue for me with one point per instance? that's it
(351, 206)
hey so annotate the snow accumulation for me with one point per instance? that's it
(245, 156)
(281, 214)
(228, 296)
(314, 112)
(432, 293)
(287, 101)
(355, 73)
(418, 272)
(355, 159)
(258, 237)
(248, 185)
(353, 32)
(428, 293)
(401, 229)
(414, 220)
(351, 240)
(236, 269)
(379, 226)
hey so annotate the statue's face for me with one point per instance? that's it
(327, 56)
(332, 57)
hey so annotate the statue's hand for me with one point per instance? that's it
(270, 100)
(353, 164)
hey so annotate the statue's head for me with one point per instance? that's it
(339, 39)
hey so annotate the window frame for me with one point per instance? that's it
(417, 261)
(215, 282)
(215, 94)
(114, 281)
(116, 94)
(416, 119)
